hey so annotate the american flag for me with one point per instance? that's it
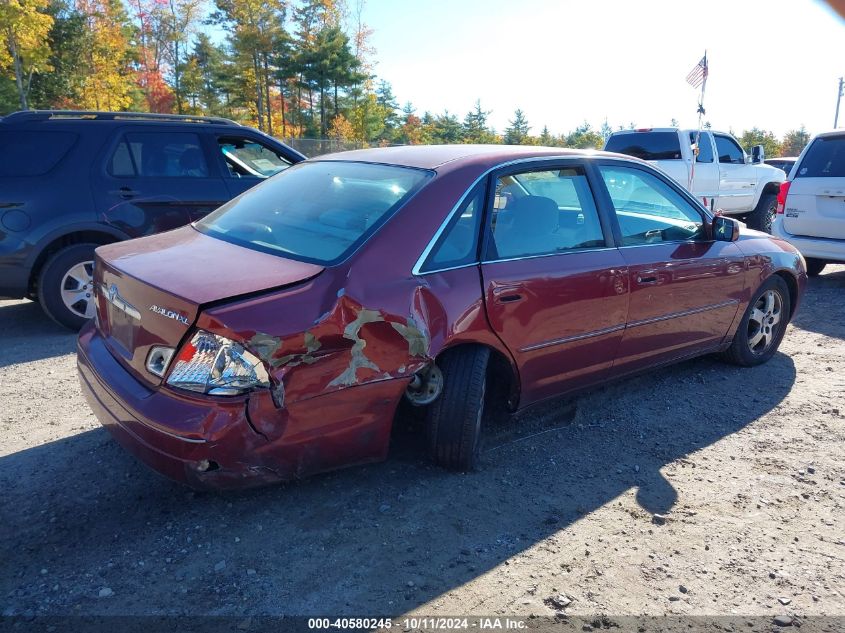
(698, 75)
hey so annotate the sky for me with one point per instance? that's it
(773, 64)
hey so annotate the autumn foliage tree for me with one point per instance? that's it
(25, 27)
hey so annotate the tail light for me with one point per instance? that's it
(215, 365)
(784, 191)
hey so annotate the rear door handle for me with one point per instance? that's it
(509, 298)
(647, 277)
(125, 193)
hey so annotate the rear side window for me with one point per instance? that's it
(33, 153)
(543, 212)
(247, 158)
(157, 155)
(705, 148)
(824, 159)
(646, 145)
(458, 245)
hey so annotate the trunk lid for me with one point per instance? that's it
(151, 290)
(815, 205)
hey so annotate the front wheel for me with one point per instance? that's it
(66, 286)
(763, 325)
(763, 215)
(453, 421)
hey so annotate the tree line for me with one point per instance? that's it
(293, 68)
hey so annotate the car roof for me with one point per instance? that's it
(25, 116)
(434, 156)
(839, 132)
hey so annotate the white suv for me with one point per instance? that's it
(811, 206)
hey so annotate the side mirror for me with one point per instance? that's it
(758, 155)
(725, 229)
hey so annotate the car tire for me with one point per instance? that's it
(762, 326)
(67, 275)
(453, 421)
(815, 266)
(764, 213)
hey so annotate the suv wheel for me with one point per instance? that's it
(815, 266)
(66, 286)
(764, 213)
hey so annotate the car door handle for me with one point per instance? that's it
(647, 278)
(125, 193)
(509, 298)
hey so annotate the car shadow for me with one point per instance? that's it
(825, 296)
(80, 514)
(28, 334)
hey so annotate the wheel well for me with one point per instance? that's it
(792, 284)
(771, 187)
(79, 237)
(500, 371)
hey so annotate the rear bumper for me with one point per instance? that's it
(817, 247)
(175, 435)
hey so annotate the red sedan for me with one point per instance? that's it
(276, 337)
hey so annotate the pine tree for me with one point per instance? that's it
(517, 133)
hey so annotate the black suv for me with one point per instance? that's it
(70, 181)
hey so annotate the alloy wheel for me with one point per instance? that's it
(764, 321)
(78, 289)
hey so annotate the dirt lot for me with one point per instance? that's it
(745, 468)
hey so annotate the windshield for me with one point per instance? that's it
(317, 212)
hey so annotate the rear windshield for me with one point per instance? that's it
(32, 153)
(316, 212)
(646, 145)
(824, 158)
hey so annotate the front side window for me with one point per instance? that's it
(648, 210)
(458, 245)
(316, 212)
(247, 158)
(543, 212)
(728, 150)
(159, 155)
(824, 159)
(705, 149)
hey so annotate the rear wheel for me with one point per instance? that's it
(815, 266)
(764, 213)
(763, 325)
(453, 421)
(66, 286)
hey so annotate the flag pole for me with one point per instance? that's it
(700, 115)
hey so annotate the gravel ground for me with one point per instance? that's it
(698, 489)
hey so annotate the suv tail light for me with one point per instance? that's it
(215, 365)
(784, 191)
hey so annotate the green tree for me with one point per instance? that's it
(545, 138)
(756, 136)
(584, 137)
(25, 28)
(794, 141)
(475, 128)
(517, 132)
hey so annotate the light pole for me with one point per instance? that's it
(839, 94)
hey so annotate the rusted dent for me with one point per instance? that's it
(357, 358)
(418, 341)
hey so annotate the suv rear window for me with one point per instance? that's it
(824, 159)
(28, 153)
(316, 212)
(646, 145)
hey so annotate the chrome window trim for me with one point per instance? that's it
(416, 270)
(571, 251)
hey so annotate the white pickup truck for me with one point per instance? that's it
(724, 176)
